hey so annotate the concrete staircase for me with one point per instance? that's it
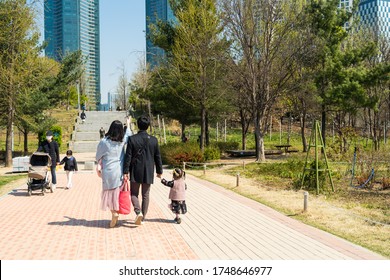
(85, 136)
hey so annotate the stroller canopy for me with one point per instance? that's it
(40, 159)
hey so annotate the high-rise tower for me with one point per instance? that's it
(156, 10)
(72, 25)
(375, 15)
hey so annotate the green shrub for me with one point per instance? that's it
(211, 153)
(310, 181)
(225, 146)
(57, 135)
(175, 153)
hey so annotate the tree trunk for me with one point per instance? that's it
(259, 140)
(261, 146)
(207, 130)
(9, 135)
(303, 128)
(243, 129)
(183, 132)
(202, 128)
(25, 142)
(150, 116)
(323, 124)
(289, 130)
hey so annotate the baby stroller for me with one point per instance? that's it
(38, 175)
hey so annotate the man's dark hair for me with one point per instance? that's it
(143, 123)
(115, 132)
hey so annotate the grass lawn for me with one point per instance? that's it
(8, 182)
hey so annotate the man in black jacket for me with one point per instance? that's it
(142, 154)
(51, 147)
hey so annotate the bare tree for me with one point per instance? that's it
(122, 87)
(140, 85)
(261, 31)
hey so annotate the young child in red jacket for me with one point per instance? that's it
(177, 194)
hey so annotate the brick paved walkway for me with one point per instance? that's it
(68, 224)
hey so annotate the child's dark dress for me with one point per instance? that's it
(177, 195)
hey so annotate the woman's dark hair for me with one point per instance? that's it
(143, 123)
(115, 132)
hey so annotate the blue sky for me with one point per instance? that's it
(122, 39)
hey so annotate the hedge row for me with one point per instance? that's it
(175, 154)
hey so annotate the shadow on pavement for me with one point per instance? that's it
(23, 192)
(81, 222)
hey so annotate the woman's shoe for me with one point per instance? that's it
(114, 220)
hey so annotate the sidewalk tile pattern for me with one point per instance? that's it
(68, 225)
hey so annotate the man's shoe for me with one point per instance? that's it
(138, 219)
(178, 220)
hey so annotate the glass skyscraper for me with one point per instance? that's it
(72, 25)
(375, 15)
(156, 10)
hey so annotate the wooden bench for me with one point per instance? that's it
(283, 147)
(241, 153)
(251, 153)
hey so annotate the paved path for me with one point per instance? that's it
(220, 224)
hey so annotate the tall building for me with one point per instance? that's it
(156, 10)
(375, 15)
(346, 4)
(72, 25)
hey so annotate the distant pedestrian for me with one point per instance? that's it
(70, 167)
(102, 132)
(142, 154)
(177, 194)
(50, 146)
(83, 116)
(110, 156)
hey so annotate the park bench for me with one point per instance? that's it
(249, 153)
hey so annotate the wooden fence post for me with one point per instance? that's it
(305, 201)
